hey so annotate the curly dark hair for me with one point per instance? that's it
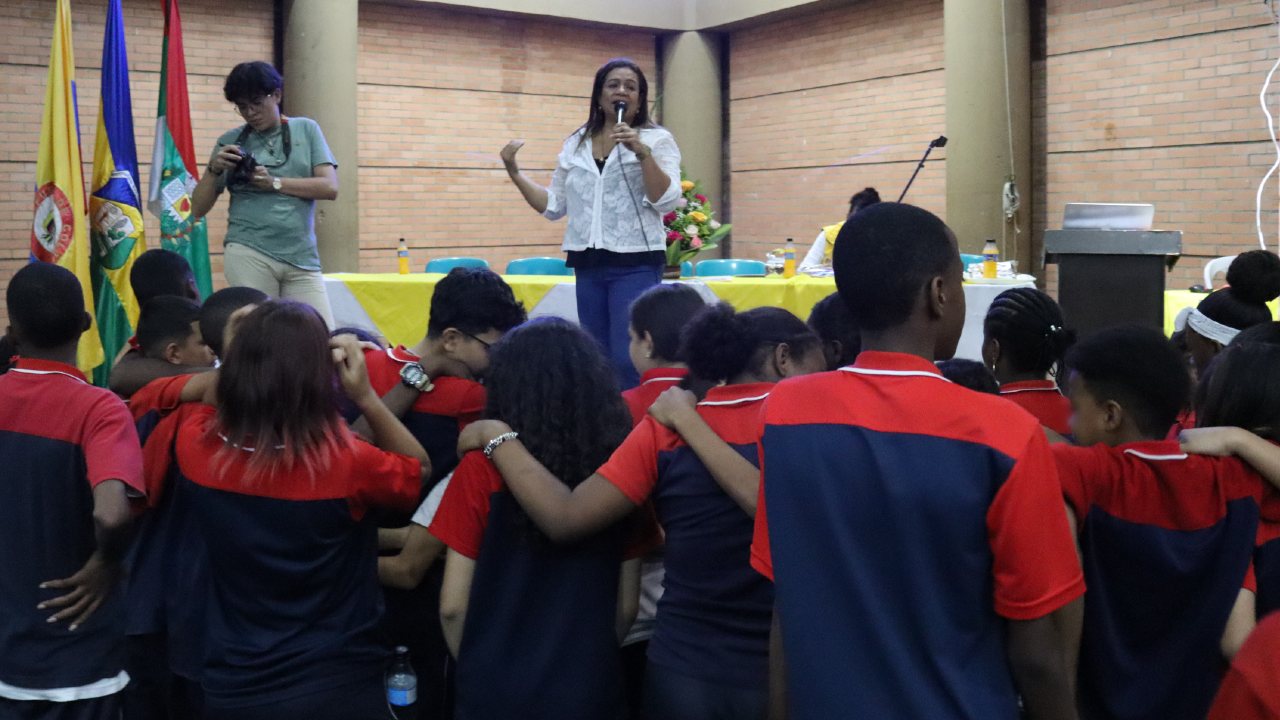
(552, 383)
(473, 300)
(720, 344)
(1138, 368)
(1031, 331)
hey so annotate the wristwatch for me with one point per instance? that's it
(412, 375)
(276, 184)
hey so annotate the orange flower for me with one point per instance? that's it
(686, 186)
(697, 217)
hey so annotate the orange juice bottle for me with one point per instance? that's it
(402, 257)
(789, 259)
(990, 256)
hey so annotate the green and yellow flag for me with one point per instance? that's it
(115, 203)
(58, 230)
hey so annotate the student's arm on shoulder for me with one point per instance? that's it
(563, 514)
(676, 408)
(628, 597)
(455, 593)
(134, 372)
(382, 479)
(1262, 455)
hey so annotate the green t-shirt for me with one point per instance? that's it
(278, 225)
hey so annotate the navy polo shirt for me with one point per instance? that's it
(294, 599)
(903, 519)
(1167, 540)
(59, 438)
(539, 639)
(715, 613)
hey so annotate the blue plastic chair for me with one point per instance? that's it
(444, 265)
(686, 268)
(969, 259)
(730, 267)
(538, 266)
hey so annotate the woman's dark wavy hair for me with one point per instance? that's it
(251, 80)
(1242, 389)
(278, 394)
(550, 382)
(596, 117)
(1254, 281)
(720, 344)
(1031, 330)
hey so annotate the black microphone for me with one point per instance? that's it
(940, 142)
(620, 107)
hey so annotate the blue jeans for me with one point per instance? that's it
(605, 295)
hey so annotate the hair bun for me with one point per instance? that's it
(1254, 276)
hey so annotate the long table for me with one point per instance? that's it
(397, 306)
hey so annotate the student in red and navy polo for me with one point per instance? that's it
(287, 498)
(1024, 341)
(434, 389)
(535, 625)
(657, 318)
(71, 462)
(914, 530)
(709, 652)
(1166, 538)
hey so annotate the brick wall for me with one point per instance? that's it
(441, 92)
(1138, 100)
(210, 52)
(1157, 101)
(823, 104)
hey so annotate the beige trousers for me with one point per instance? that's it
(245, 267)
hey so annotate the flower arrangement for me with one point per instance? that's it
(691, 227)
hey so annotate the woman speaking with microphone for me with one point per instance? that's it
(615, 178)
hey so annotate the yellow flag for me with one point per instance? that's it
(59, 229)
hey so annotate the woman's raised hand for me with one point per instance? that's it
(509, 153)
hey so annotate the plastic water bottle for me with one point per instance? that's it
(402, 257)
(789, 259)
(402, 686)
(990, 257)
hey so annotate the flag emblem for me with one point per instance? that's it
(54, 225)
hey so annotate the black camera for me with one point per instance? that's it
(242, 173)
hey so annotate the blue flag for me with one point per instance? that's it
(115, 202)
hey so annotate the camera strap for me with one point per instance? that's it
(285, 136)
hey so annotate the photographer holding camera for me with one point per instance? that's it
(276, 168)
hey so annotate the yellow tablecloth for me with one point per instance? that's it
(398, 305)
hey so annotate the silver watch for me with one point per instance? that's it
(276, 184)
(412, 375)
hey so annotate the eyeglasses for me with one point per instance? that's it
(487, 345)
(244, 107)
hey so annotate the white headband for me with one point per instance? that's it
(1211, 329)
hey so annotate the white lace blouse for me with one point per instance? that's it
(608, 210)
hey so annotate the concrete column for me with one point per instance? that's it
(692, 108)
(320, 83)
(978, 127)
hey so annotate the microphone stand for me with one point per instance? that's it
(941, 141)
